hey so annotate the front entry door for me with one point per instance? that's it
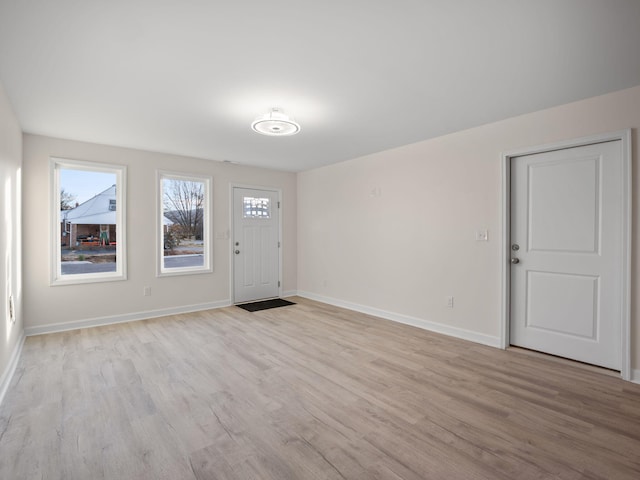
(567, 253)
(256, 232)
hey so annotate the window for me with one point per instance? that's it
(184, 224)
(87, 230)
(256, 208)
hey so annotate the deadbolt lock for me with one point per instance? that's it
(515, 247)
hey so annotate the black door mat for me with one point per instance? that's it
(265, 305)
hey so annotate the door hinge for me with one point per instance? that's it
(278, 244)
(278, 204)
(278, 282)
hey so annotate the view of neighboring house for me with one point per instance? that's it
(91, 223)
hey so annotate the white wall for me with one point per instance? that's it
(394, 231)
(11, 334)
(46, 306)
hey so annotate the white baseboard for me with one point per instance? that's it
(408, 320)
(635, 376)
(289, 293)
(127, 317)
(7, 375)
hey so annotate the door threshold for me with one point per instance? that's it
(565, 361)
(244, 302)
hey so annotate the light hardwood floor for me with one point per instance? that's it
(306, 392)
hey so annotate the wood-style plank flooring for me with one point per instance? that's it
(306, 392)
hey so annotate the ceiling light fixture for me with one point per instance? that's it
(276, 124)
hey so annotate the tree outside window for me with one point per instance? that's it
(184, 237)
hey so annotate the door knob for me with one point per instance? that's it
(237, 252)
(515, 260)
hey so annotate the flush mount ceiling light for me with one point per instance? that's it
(276, 124)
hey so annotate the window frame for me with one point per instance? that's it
(120, 171)
(207, 240)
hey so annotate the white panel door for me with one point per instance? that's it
(566, 237)
(255, 244)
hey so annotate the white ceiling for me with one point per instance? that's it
(360, 76)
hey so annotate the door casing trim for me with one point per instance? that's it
(232, 292)
(624, 136)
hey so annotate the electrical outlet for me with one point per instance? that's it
(147, 291)
(12, 310)
(450, 302)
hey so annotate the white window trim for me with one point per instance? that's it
(207, 266)
(120, 172)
